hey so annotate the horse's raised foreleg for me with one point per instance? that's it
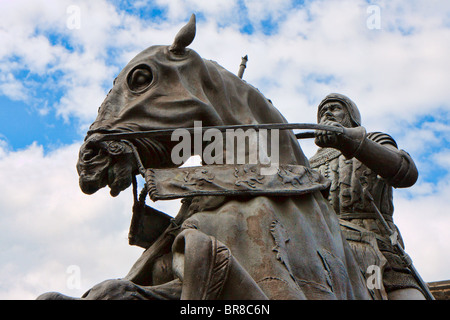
(208, 271)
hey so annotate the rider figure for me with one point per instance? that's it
(355, 160)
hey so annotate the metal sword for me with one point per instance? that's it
(393, 236)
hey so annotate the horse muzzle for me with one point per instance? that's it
(101, 163)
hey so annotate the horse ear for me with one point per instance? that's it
(184, 37)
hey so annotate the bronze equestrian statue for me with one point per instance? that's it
(239, 234)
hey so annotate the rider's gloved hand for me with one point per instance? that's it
(347, 142)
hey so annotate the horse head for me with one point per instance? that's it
(169, 87)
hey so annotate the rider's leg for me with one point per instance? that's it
(208, 270)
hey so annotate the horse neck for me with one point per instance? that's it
(240, 103)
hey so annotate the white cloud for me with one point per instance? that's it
(180, 10)
(12, 88)
(47, 224)
(423, 222)
(442, 158)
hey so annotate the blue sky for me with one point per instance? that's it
(54, 75)
(36, 108)
(21, 125)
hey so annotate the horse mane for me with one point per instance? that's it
(242, 103)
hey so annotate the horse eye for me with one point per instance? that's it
(140, 78)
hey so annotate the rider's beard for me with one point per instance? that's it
(345, 122)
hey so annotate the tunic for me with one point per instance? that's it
(355, 210)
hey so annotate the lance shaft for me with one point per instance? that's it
(242, 66)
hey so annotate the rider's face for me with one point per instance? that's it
(334, 111)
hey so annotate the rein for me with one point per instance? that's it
(270, 126)
(124, 137)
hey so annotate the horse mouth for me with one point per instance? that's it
(100, 165)
(115, 163)
(92, 166)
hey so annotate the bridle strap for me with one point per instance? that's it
(137, 157)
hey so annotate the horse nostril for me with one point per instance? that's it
(90, 152)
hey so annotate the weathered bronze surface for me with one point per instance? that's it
(440, 289)
(363, 169)
(232, 180)
(238, 234)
